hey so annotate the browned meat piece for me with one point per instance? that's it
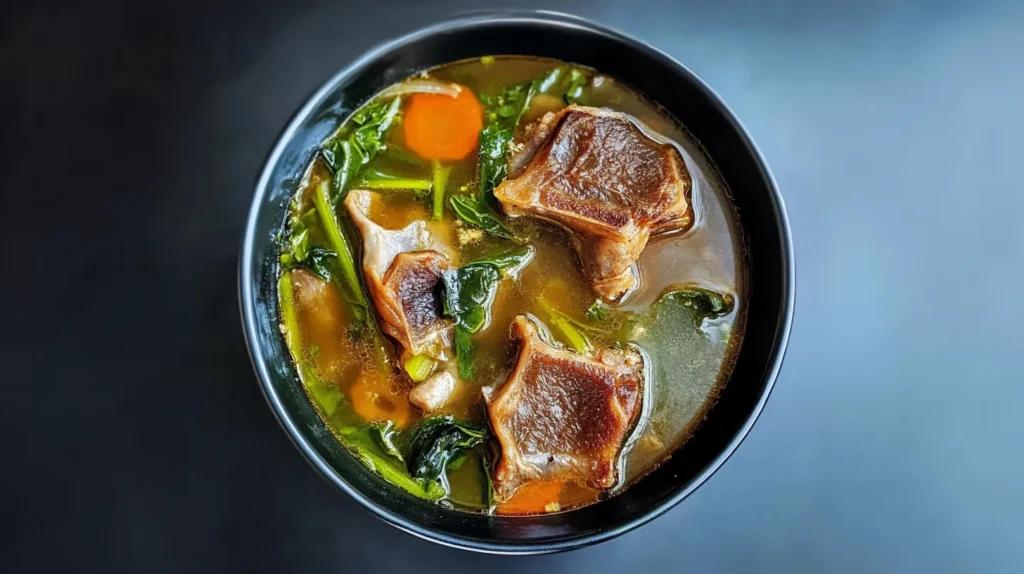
(562, 416)
(596, 173)
(413, 315)
(402, 269)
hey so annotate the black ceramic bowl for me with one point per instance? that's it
(762, 218)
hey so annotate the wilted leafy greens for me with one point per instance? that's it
(343, 253)
(502, 115)
(468, 294)
(703, 304)
(365, 444)
(346, 156)
(570, 330)
(440, 441)
(299, 253)
(387, 434)
(419, 464)
(469, 210)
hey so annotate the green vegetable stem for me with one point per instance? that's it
(326, 396)
(571, 332)
(342, 251)
(438, 445)
(440, 182)
(365, 444)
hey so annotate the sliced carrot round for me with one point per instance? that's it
(532, 498)
(374, 399)
(440, 127)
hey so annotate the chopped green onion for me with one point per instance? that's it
(419, 368)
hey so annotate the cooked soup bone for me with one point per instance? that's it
(434, 393)
(402, 269)
(564, 416)
(599, 174)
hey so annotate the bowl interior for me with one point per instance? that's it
(762, 219)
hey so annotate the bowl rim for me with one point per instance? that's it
(247, 304)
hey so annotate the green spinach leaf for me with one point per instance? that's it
(298, 244)
(705, 303)
(571, 331)
(362, 443)
(347, 155)
(299, 253)
(468, 294)
(509, 261)
(316, 261)
(295, 243)
(386, 435)
(621, 325)
(439, 443)
(465, 351)
(502, 116)
(479, 215)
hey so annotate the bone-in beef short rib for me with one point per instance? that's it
(402, 268)
(596, 173)
(564, 416)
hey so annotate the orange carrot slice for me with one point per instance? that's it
(532, 498)
(440, 127)
(373, 399)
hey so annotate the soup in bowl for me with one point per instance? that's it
(506, 292)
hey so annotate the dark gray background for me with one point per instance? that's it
(135, 437)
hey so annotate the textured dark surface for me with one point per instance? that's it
(135, 437)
